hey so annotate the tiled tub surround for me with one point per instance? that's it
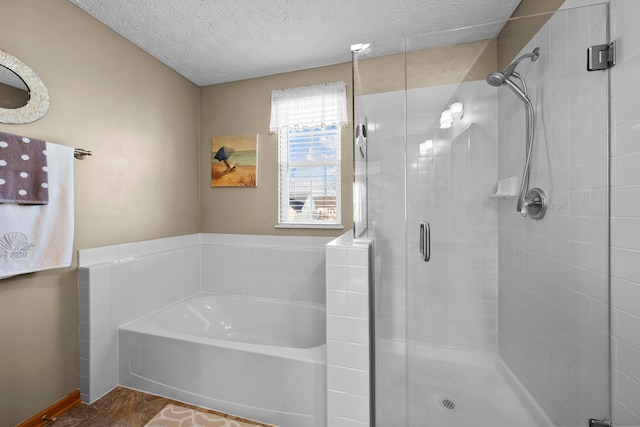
(118, 284)
(121, 283)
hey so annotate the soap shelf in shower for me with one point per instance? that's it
(507, 187)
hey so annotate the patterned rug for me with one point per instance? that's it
(177, 416)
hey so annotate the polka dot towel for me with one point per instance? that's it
(23, 170)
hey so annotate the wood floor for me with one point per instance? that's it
(122, 407)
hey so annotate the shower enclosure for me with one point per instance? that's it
(486, 313)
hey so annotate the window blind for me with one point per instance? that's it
(309, 176)
(312, 106)
(308, 121)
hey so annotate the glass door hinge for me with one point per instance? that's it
(599, 423)
(601, 56)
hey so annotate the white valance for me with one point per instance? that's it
(309, 107)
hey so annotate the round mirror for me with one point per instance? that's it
(23, 96)
(14, 92)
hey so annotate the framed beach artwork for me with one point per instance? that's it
(234, 161)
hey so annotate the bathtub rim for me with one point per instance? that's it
(146, 325)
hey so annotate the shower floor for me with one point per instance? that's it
(451, 388)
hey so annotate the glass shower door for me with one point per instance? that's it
(507, 323)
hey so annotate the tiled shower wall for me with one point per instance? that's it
(553, 283)
(450, 175)
(453, 297)
(625, 217)
(625, 213)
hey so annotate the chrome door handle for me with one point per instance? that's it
(425, 241)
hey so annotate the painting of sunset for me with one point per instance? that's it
(234, 161)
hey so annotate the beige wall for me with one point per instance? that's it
(141, 120)
(243, 107)
(428, 67)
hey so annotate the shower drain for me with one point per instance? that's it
(448, 404)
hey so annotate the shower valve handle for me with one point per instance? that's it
(535, 204)
(524, 211)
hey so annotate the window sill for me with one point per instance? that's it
(321, 226)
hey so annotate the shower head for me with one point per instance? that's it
(496, 79)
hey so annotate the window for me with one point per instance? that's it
(308, 122)
(309, 176)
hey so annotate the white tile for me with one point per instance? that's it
(99, 294)
(348, 406)
(627, 390)
(109, 254)
(626, 137)
(337, 328)
(358, 256)
(625, 264)
(337, 403)
(334, 421)
(627, 171)
(95, 329)
(337, 302)
(627, 105)
(358, 331)
(338, 378)
(101, 345)
(105, 380)
(337, 277)
(358, 279)
(358, 356)
(627, 359)
(625, 295)
(626, 328)
(88, 257)
(336, 255)
(623, 416)
(338, 353)
(99, 275)
(102, 362)
(358, 382)
(358, 305)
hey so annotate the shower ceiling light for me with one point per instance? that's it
(426, 146)
(446, 119)
(359, 47)
(457, 110)
(453, 113)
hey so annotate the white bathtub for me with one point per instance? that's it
(252, 357)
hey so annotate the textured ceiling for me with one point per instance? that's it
(218, 41)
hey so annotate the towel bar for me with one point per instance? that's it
(81, 153)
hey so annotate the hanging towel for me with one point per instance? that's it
(39, 237)
(23, 170)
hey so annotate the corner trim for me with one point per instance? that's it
(55, 410)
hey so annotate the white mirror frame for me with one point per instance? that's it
(38, 104)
